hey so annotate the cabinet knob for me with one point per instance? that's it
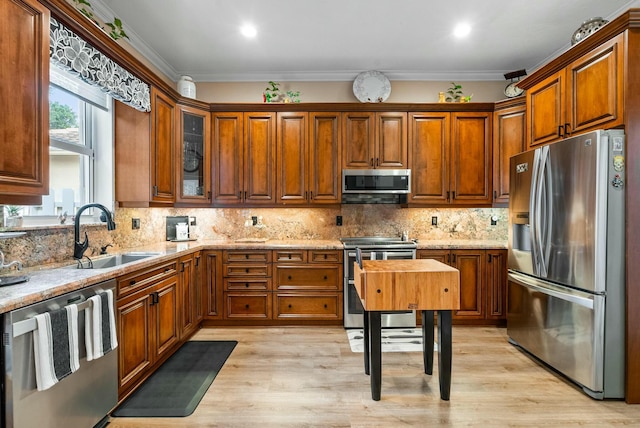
(247, 270)
(325, 277)
(246, 256)
(379, 291)
(325, 306)
(132, 282)
(446, 290)
(289, 256)
(246, 306)
(289, 277)
(325, 257)
(289, 306)
(246, 285)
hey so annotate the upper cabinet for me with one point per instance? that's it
(585, 95)
(374, 140)
(509, 124)
(24, 158)
(194, 153)
(308, 165)
(163, 137)
(244, 158)
(450, 158)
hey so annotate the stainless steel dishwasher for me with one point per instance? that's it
(82, 399)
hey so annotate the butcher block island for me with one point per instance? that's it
(394, 285)
(385, 285)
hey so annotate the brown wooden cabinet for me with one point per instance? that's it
(244, 158)
(193, 169)
(308, 164)
(509, 129)
(212, 285)
(247, 284)
(450, 158)
(148, 322)
(188, 296)
(587, 94)
(482, 282)
(496, 284)
(308, 285)
(374, 140)
(163, 144)
(24, 158)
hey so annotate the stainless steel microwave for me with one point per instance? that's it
(391, 181)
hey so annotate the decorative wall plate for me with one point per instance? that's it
(587, 28)
(371, 87)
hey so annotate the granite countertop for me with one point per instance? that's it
(49, 281)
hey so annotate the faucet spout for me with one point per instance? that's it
(15, 263)
(80, 247)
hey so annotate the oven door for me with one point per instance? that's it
(353, 310)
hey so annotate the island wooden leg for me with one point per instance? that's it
(427, 341)
(375, 331)
(365, 341)
(444, 353)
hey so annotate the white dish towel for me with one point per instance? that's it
(100, 325)
(55, 346)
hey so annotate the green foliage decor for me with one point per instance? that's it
(115, 30)
(61, 116)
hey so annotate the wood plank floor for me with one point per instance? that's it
(308, 377)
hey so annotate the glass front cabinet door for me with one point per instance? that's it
(194, 172)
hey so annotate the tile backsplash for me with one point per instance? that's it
(55, 244)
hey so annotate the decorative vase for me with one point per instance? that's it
(186, 87)
(441, 98)
(13, 221)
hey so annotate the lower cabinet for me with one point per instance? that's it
(482, 282)
(190, 296)
(282, 285)
(148, 322)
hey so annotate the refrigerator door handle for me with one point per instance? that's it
(548, 289)
(546, 212)
(534, 202)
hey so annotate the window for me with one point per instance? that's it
(80, 150)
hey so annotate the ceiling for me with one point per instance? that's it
(334, 40)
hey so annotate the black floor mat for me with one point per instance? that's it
(177, 387)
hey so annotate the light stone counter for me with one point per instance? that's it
(49, 281)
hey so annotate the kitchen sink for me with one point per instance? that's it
(112, 261)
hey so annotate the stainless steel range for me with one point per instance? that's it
(374, 248)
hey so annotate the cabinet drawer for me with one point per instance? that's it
(309, 306)
(325, 256)
(299, 256)
(250, 284)
(247, 270)
(243, 256)
(247, 305)
(309, 277)
(129, 283)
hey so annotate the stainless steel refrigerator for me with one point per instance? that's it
(566, 283)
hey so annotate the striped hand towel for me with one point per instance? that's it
(100, 325)
(55, 346)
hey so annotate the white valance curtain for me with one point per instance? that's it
(70, 52)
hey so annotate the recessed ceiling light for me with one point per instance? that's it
(461, 30)
(248, 30)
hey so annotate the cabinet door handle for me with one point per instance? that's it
(567, 129)
(197, 261)
(448, 195)
(310, 195)
(209, 194)
(377, 161)
(371, 162)
(182, 268)
(489, 258)
(245, 195)
(495, 195)
(453, 195)
(453, 258)
(155, 190)
(560, 131)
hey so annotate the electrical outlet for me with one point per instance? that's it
(135, 223)
(338, 220)
(254, 219)
(494, 220)
(192, 221)
(434, 221)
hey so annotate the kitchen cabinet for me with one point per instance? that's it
(244, 158)
(509, 130)
(201, 287)
(308, 285)
(24, 43)
(308, 163)
(374, 140)
(587, 94)
(496, 284)
(188, 296)
(193, 169)
(163, 137)
(212, 286)
(247, 284)
(148, 322)
(450, 158)
(472, 267)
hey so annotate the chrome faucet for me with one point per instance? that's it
(15, 262)
(80, 247)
